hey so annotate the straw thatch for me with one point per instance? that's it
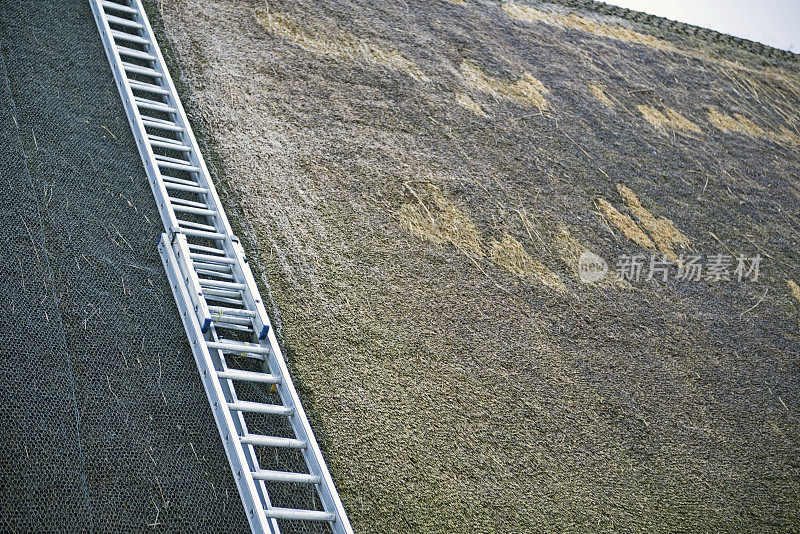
(417, 182)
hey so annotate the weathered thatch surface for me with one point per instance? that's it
(418, 180)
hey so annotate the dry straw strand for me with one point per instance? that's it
(527, 91)
(509, 253)
(468, 103)
(662, 230)
(341, 46)
(576, 22)
(794, 289)
(599, 92)
(672, 119)
(432, 216)
(679, 122)
(627, 225)
(740, 124)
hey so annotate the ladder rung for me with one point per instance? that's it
(213, 269)
(220, 273)
(125, 51)
(124, 22)
(118, 7)
(187, 188)
(152, 104)
(195, 211)
(169, 159)
(220, 324)
(205, 282)
(216, 268)
(160, 123)
(233, 323)
(184, 202)
(201, 233)
(223, 300)
(148, 87)
(285, 476)
(195, 226)
(177, 166)
(172, 179)
(209, 250)
(249, 376)
(129, 37)
(146, 71)
(299, 515)
(187, 203)
(234, 326)
(167, 144)
(271, 441)
(257, 407)
(224, 293)
(237, 347)
(153, 137)
(212, 259)
(220, 310)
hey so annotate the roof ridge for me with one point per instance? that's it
(663, 23)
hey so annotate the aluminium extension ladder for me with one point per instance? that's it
(240, 363)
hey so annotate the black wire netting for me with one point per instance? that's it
(105, 422)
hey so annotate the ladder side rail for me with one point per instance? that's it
(302, 429)
(134, 117)
(212, 198)
(251, 294)
(239, 462)
(168, 216)
(251, 297)
(249, 449)
(232, 247)
(181, 251)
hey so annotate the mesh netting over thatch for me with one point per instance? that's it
(105, 424)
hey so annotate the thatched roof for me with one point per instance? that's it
(418, 182)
